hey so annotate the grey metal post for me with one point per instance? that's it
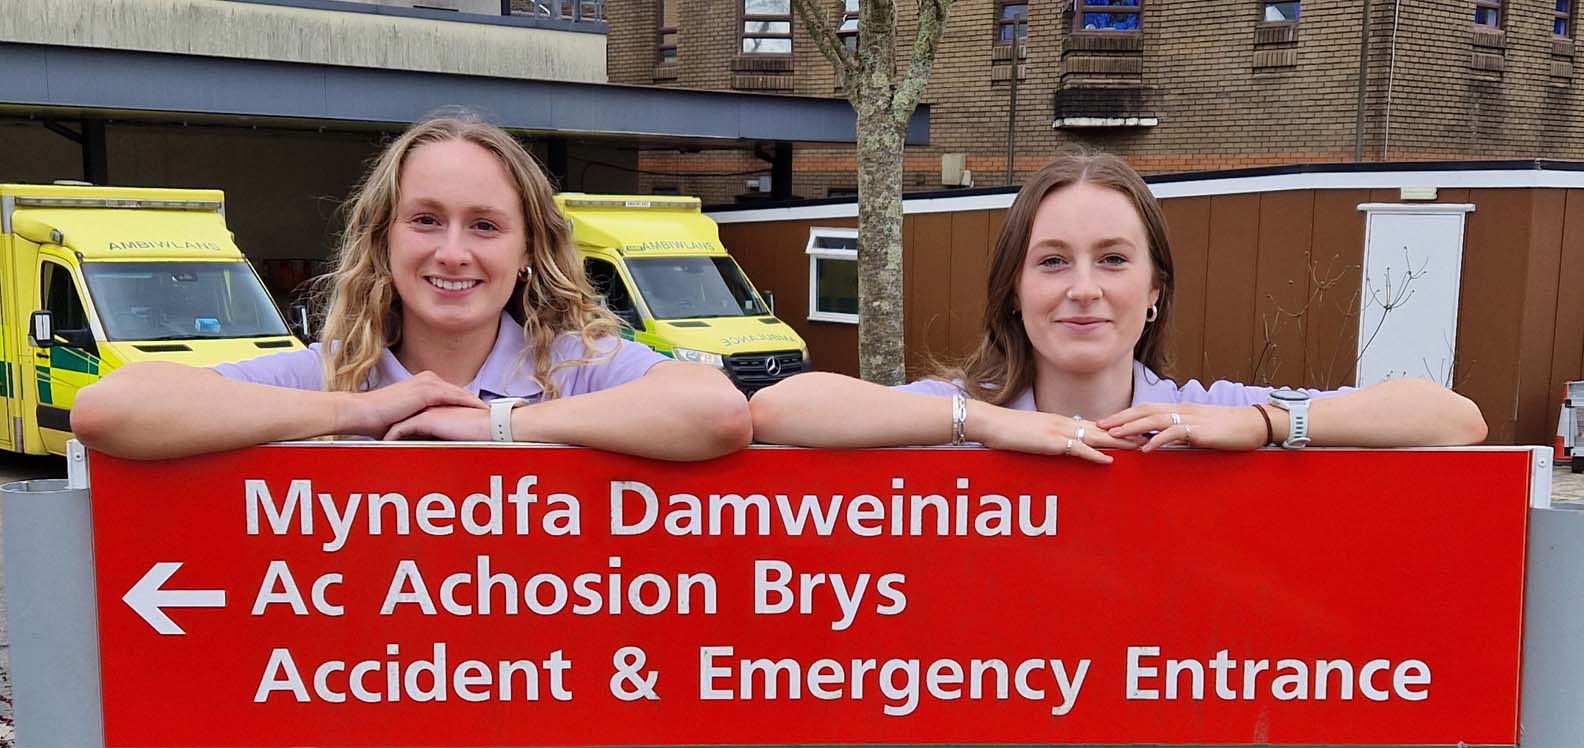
(1549, 710)
(51, 613)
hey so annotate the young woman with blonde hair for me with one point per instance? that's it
(1080, 292)
(458, 309)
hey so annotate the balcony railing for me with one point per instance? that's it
(577, 11)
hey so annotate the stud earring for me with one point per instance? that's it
(525, 273)
(1152, 313)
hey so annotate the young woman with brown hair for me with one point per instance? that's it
(1080, 292)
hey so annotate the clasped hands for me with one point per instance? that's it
(1142, 427)
(424, 406)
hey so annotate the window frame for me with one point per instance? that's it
(662, 31)
(1001, 22)
(848, 39)
(1497, 6)
(743, 34)
(1083, 7)
(1566, 17)
(1264, 7)
(815, 254)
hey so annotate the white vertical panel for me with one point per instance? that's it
(1413, 262)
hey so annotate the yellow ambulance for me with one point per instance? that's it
(659, 264)
(93, 278)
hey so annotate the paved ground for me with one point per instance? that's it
(1567, 490)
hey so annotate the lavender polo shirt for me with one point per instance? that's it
(1148, 387)
(505, 373)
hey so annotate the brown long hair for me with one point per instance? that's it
(1003, 365)
(363, 314)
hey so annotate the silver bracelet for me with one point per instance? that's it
(959, 418)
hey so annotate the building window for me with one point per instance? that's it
(833, 275)
(1281, 11)
(579, 11)
(767, 27)
(1108, 15)
(1488, 13)
(1562, 24)
(666, 35)
(848, 30)
(1011, 20)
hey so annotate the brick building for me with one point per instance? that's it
(1173, 85)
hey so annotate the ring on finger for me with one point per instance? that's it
(1176, 419)
(1079, 434)
(1187, 432)
(1068, 448)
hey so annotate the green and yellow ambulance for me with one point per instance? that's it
(93, 278)
(659, 264)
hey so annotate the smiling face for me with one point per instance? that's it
(1086, 281)
(457, 239)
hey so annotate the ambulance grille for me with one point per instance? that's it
(752, 372)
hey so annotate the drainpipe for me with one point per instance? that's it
(1363, 78)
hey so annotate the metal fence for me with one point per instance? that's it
(578, 11)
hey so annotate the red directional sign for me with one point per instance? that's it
(404, 595)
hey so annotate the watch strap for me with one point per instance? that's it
(500, 413)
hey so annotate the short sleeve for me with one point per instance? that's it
(1234, 394)
(615, 362)
(301, 370)
(933, 387)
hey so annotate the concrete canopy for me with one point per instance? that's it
(58, 80)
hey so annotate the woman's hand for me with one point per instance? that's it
(1209, 426)
(445, 423)
(373, 413)
(1041, 433)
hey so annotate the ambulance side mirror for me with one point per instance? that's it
(769, 299)
(298, 319)
(41, 329)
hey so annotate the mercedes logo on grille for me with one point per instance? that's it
(773, 367)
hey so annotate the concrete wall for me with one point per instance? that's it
(270, 32)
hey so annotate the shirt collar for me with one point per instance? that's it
(506, 371)
(1148, 387)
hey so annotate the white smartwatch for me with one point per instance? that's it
(1297, 406)
(500, 417)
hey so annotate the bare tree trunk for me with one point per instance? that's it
(880, 303)
(884, 105)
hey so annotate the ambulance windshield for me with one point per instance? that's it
(695, 287)
(181, 301)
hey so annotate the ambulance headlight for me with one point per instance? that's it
(698, 357)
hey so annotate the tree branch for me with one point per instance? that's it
(823, 32)
(931, 26)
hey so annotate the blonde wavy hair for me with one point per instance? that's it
(362, 310)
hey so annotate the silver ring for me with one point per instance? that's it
(1068, 450)
(1176, 419)
(1187, 432)
(1079, 434)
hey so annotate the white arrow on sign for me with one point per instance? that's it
(148, 600)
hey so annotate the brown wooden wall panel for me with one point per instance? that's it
(931, 255)
(1229, 287)
(1281, 292)
(1538, 335)
(1188, 229)
(1337, 256)
(966, 302)
(1490, 309)
(1567, 360)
